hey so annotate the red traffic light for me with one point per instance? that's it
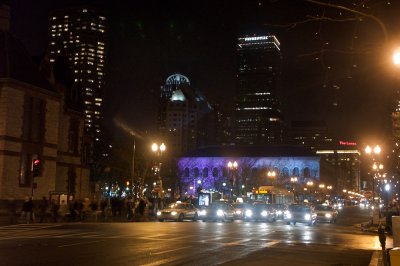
(36, 162)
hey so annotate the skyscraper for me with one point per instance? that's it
(79, 34)
(257, 114)
(182, 115)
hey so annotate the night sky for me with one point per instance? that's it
(350, 85)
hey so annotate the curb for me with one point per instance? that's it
(376, 258)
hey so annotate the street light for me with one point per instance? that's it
(376, 167)
(294, 180)
(158, 188)
(233, 166)
(396, 57)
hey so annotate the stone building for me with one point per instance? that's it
(37, 122)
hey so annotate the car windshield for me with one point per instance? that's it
(262, 206)
(323, 208)
(218, 205)
(240, 206)
(299, 208)
(176, 206)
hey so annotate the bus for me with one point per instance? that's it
(272, 195)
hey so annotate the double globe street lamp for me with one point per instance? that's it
(233, 166)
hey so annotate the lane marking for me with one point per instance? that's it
(171, 250)
(80, 243)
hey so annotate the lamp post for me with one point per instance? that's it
(294, 180)
(158, 187)
(233, 166)
(272, 175)
(375, 151)
(310, 184)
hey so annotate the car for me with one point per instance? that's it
(240, 209)
(261, 212)
(218, 211)
(280, 209)
(326, 213)
(178, 211)
(298, 213)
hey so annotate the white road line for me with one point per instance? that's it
(171, 250)
(79, 243)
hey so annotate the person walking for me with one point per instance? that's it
(43, 206)
(382, 236)
(54, 207)
(27, 208)
(12, 211)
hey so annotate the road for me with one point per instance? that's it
(190, 243)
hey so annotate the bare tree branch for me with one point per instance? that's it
(370, 16)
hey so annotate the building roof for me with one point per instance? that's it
(17, 64)
(252, 151)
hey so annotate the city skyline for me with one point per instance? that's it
(159, 40)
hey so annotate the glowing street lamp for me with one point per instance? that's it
(233, 166)
(396, 57)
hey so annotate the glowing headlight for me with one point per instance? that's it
(220, 213)
(158, 213)
(372, 207)
(202, 212)
(307, 217)
(328, 215)
(174, 213)
(249, 213)
(279, 212)
(264, 213)
(238, 212)
(288, 215)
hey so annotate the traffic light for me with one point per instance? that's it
(36, 167)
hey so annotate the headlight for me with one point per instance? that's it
(264, 213)
(158, 213)
(307, 217)
(279, 212)
(220, 213)
(328, 215)
(249, 213)
(174, 213)
(288, 215)
(238, 212)
(372, 207)
(202, 212)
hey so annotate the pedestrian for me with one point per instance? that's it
(382, 236)
(43, 206)
(54, 207)
(142, 206)
(27, 208)
(12, 211)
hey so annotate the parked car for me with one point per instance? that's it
(218, 211)
(326, 213)
(240, 209)
(178, 211)
(298, 213)
(261, 212)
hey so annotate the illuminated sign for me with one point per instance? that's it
(347, 143)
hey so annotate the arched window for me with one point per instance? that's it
(186, 172)
(254, 172)
(285, 172)
(306, 172)
(196, 172)
(296, 172)
(205, 172)
(215, 172)
(277, 171)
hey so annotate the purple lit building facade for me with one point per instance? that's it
(208, 168)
